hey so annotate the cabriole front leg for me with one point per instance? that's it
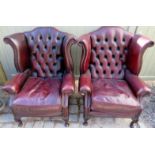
(135, 121)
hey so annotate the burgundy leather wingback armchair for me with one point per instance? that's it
(45, 80)
(110, 65)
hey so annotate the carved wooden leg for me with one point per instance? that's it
(134, 123)
(19, 121)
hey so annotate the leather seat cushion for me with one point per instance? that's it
(38, 94)
(111, 95)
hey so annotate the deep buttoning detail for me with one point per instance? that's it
(109, 52)
(47, 45)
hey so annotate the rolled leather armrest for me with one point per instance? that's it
(137, 85)
(14, 86)
(68, 84)
(85, 83)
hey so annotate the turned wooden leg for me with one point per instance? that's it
(134, 123)
(19, 121)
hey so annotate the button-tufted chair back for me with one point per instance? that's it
(108, 52)
(46, 53)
